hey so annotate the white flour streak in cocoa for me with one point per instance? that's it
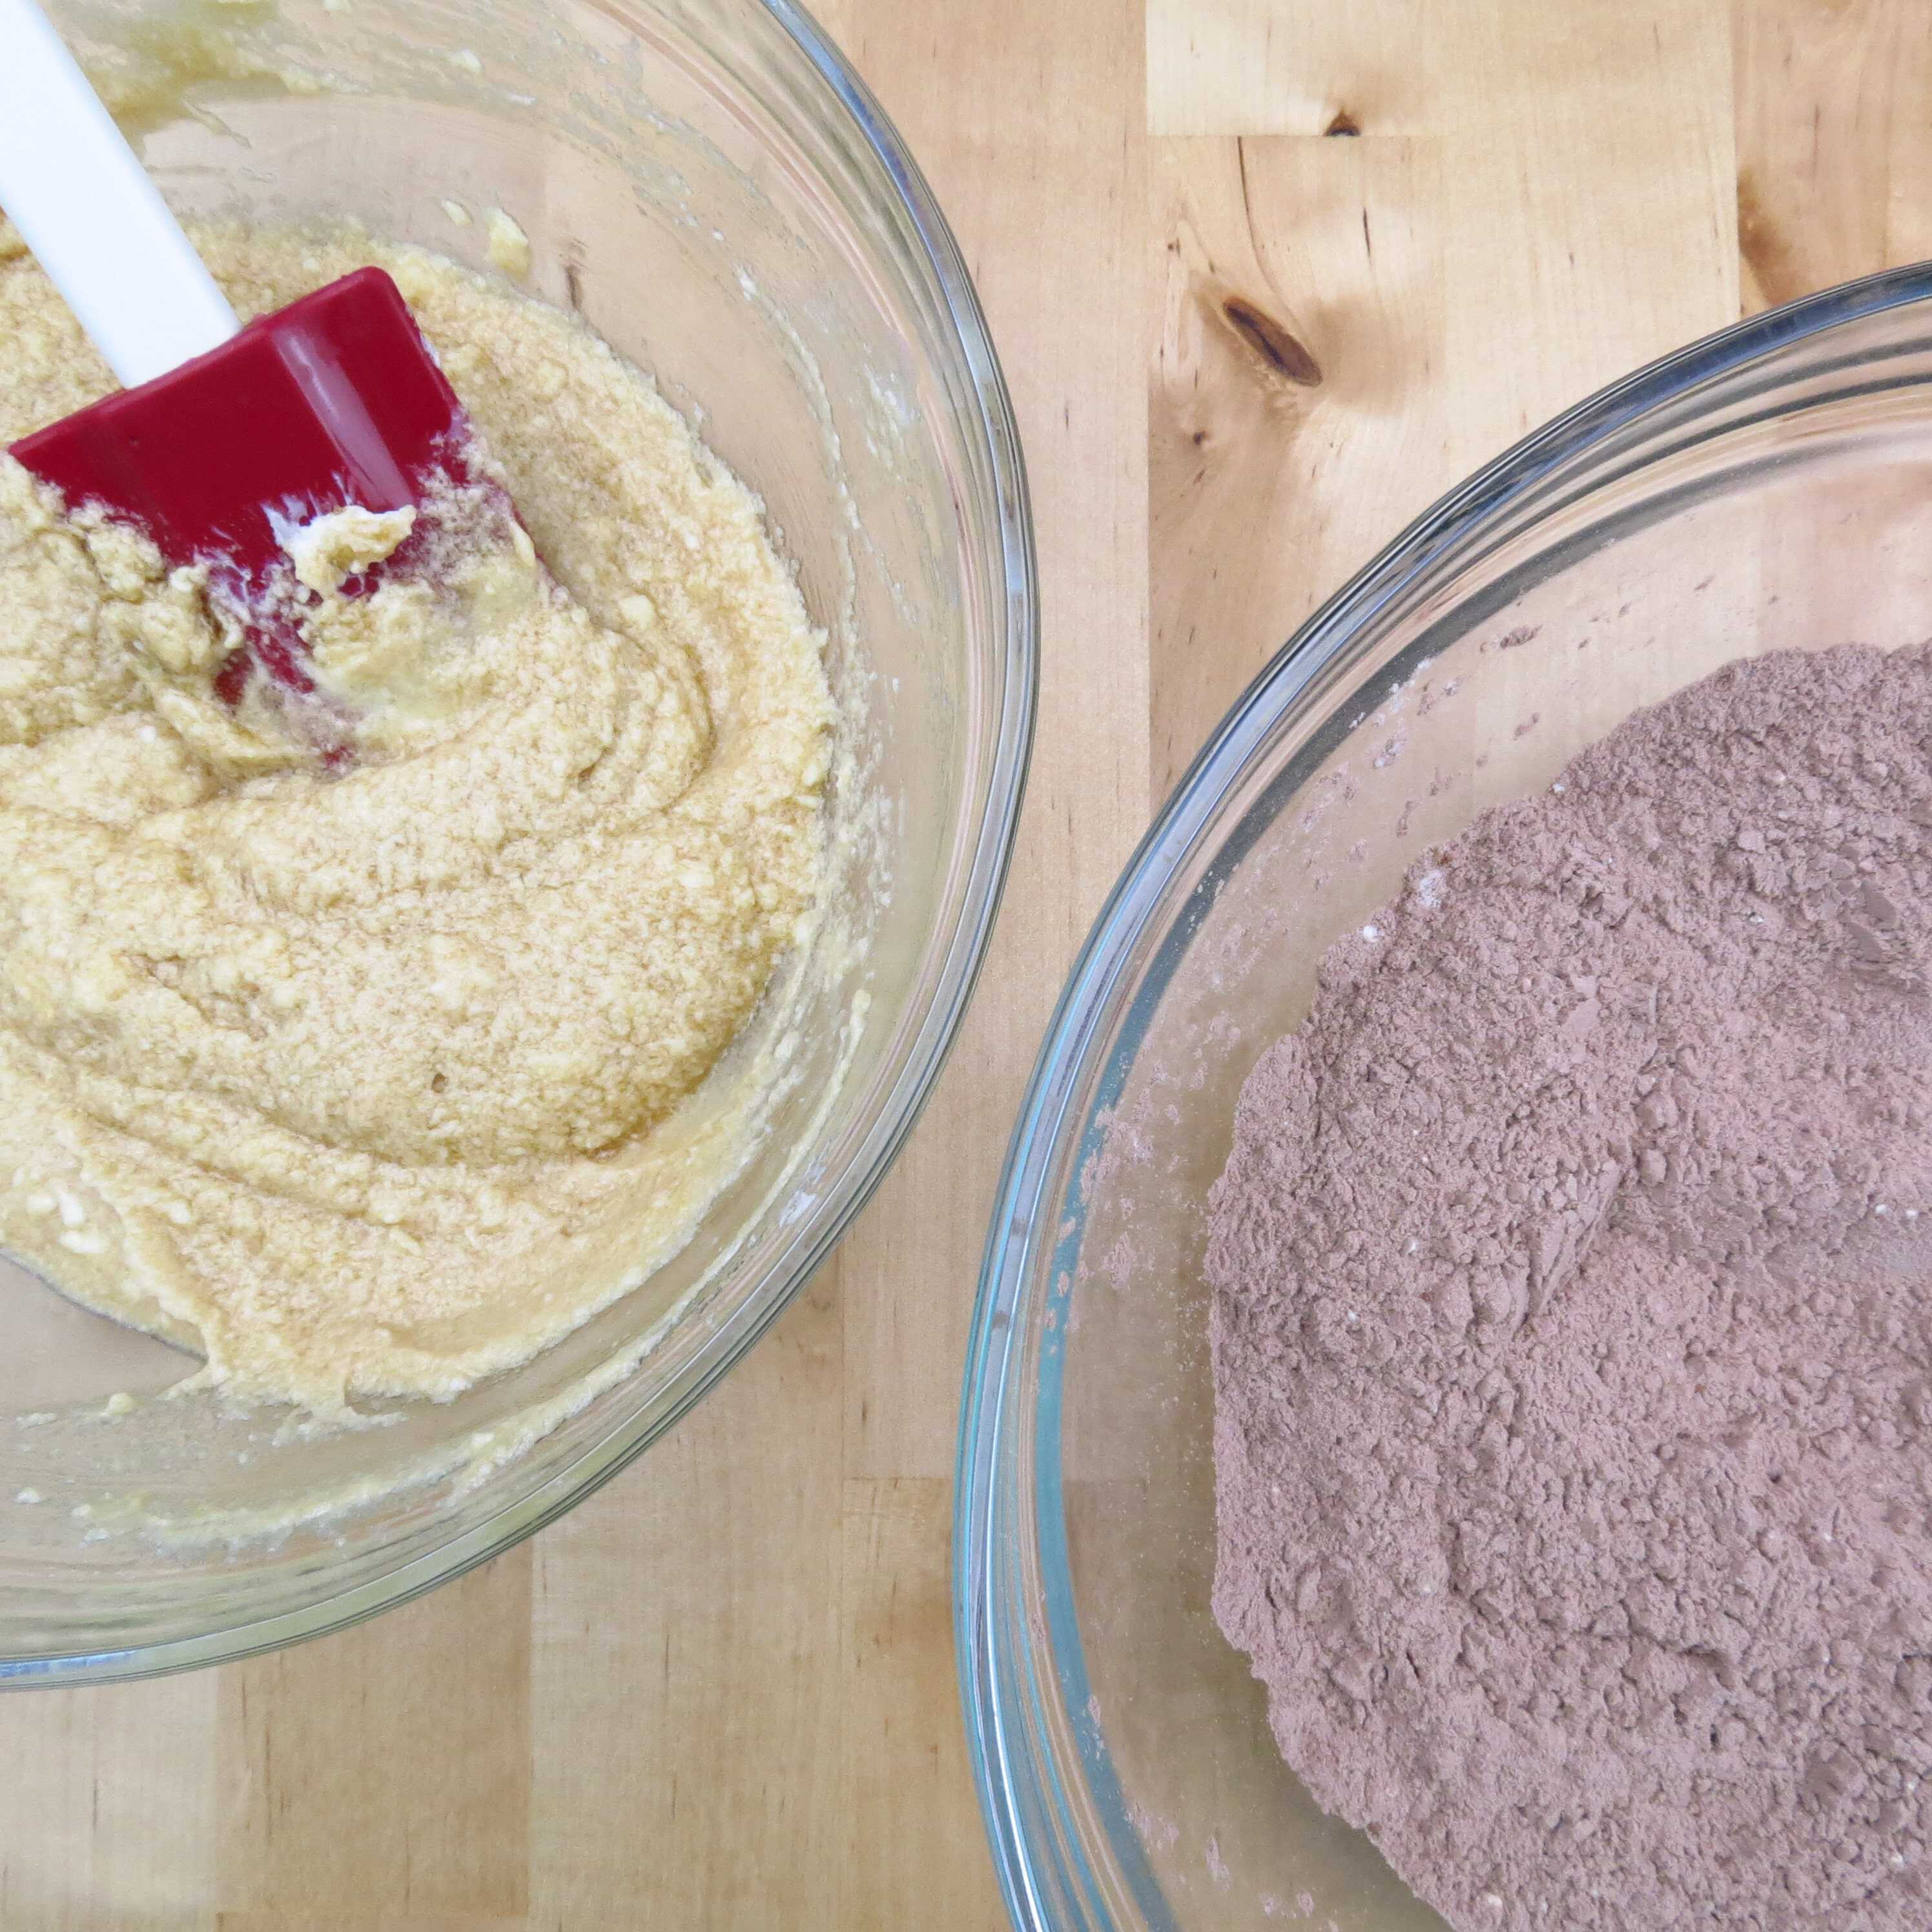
(1573, 1343)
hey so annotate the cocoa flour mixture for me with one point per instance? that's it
(1573, 1341)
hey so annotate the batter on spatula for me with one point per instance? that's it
(335, 1024)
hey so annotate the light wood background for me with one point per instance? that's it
(1267, 275)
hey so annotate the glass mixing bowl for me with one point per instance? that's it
(1771, 486)
(708, 185)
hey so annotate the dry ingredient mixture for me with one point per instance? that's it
(344, 1070)
(1572, 1338)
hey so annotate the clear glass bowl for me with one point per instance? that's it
(1769, 486)
(710, 185)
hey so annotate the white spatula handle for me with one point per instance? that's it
(96, 223)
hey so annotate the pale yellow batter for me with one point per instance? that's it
(349, 1079)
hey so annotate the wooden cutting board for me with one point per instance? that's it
(1266, 276)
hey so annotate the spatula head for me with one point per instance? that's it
(334, 400)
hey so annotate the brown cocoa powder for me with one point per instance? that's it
(1573, 1340)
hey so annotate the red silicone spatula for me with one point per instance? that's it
(221, 432)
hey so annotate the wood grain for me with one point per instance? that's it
(1833, 145)
(1267, 275)
(1251, 68)
(366, 1764)
(1351, 319)
(914, 1854)
(1296, 414)
(688, 1632)
(1046, 141)
(108, 1809)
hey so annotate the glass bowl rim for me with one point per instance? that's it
(1008, 1779)
(993, 425)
